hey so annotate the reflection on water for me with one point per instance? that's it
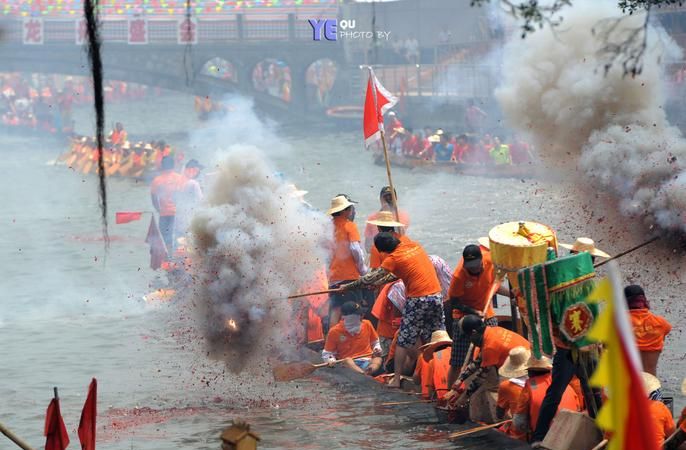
(70, 312)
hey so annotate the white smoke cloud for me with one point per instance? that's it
(254, 244)
(613, 126)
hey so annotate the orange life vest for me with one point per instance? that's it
(539, 385)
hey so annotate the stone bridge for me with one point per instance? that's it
(205, 56)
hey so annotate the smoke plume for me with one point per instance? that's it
(255, 243)
(614, 127)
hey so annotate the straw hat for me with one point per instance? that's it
(484, 242)
(126, 146)
(434, 138)
(385, 219)
(339, 203)
(544, 363)
(650, 383)
(584, 244)
(439, 340)
(515, 364)
(148, 146)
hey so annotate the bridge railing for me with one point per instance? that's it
(165, 30)
(462, 80)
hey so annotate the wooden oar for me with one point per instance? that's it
(296, 370)
(601, 445)
(408, 402)
(477, 429)
(328, 291)
(14, 438)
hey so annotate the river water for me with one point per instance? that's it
(71, 311)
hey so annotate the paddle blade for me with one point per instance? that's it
(293, 371)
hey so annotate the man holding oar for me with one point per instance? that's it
(423, 312)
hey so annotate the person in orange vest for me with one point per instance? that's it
(514, 372)
(353, 340)
(494, 344)
(468, 294)
(118, 135)
(679, 436)
(437, 354)
(528, 407)
(650, 329)
(663, 423)
(386, 200)
(423, 313)
(347, 259)
(163, 191)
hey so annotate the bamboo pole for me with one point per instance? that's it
(601, 445)
(408, 402)
(649, 241)
(477, 429)
(14, 438)
(327, 291)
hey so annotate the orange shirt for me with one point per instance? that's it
(508, 394)
(473, 290)
(387, 313)
(682, 420)
(412, 264)
(650, 330)
(496, 345)
(663, 422)
(165, 187)
(342, 265)
(440, 364)
(424, 371)
(532, 395)
(376, 257)
(345, 345)
(371, 230)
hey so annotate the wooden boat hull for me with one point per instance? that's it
(472, 170)
(424, 413)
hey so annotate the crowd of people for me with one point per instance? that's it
(401, 313)
(274, 78)
(120, 157)
(44, 102)
(469, 148)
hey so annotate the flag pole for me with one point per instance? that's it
(385, 154)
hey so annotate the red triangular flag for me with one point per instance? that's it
(126, 217)
(376, 102)
(158, 250)
(55, 431)
(88, 416)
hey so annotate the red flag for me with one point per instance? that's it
(126, 217)
(376, 102)
(55, 431)
(158, 249)
(88, 415)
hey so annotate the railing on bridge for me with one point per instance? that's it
(237, 28)
(462, 80)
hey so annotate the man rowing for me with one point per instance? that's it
(423, 312)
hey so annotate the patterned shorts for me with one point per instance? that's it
(461, 343)
(421, 317)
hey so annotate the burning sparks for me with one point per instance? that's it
(231, 325)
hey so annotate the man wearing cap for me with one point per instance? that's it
(386, 200)
(468, 294)
(526, 412)
(423, 312)
(164, 191)
(354, 340)
(650, 329)
(347, 260)
(495, 344)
